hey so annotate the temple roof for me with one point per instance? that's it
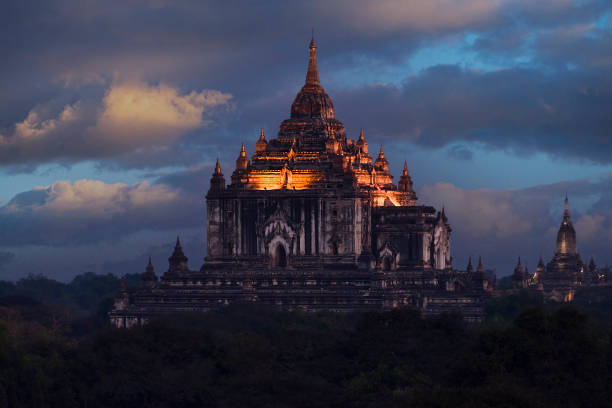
(312, 101)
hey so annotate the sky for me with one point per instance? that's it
(112, 114)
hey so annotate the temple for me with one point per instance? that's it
(566, 272)
(312, 221)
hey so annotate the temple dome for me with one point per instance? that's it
(312, 101)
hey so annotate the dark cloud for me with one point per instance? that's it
(460, 152)
(5, 258)
(523, 110)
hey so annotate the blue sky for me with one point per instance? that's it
(115, 113)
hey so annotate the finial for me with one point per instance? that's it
(312, 75)
(149, 265)
(381, 155)
(519, 262)
(566, 203)
(469, 265)
(218, 167)
(261, 136)
(405, 171)
(361, 137)
(178, 242)
(480, 267)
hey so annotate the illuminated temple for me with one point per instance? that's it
(312, 221)
(566, 272)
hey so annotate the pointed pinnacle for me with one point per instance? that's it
(261, 135)
(361, 137)
(178, 242)
(218, 167)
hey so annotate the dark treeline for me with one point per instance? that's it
(528, 354)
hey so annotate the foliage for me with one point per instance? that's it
(57, 350)
(258, 356)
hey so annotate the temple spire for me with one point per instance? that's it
(566, 237)
(405, 171)
(218, 167)
(480, 266)
(312, 75)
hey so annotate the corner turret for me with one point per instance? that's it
(217, 182)
(149, 279)
(262, 144)
(177, 263)
(381, 162)
(122, 298)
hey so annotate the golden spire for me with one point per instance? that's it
(381, 155)
(242, 151)
(218, 167)
(262, 138)
(312, 75)
(361, 138)
(405, 171)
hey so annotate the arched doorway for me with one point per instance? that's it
(280, 257)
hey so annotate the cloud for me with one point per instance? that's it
(479, 213)
(460, 152)
(138, 114)
(131, 118)
(6, 258)
(565, 114)
(390, 15)
(90, 211)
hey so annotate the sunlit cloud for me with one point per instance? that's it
(130, 116)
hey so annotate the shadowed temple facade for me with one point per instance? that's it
(566, 272)
(312, 221)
